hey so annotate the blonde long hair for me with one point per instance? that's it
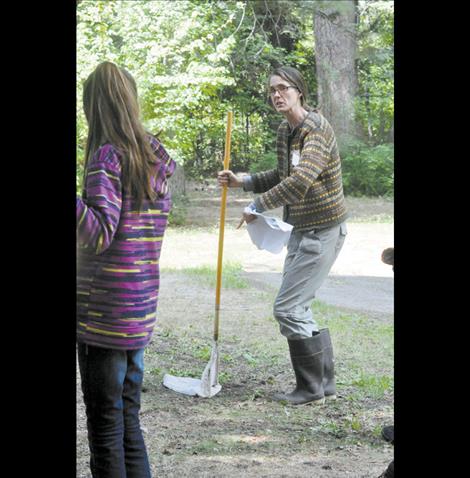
(111, 106)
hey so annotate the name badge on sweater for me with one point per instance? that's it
(295, 157)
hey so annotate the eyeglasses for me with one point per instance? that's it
(280, 89)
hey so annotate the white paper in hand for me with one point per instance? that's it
(268, 233)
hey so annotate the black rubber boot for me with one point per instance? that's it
(329, 383)
(307, 361)
(388, 433)
(389, 472)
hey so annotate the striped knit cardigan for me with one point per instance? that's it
(118, 253)
(307, 181)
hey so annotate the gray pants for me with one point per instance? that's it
(310, 256)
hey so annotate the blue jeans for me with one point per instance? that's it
(111, 386)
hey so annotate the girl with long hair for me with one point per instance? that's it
(121, 219)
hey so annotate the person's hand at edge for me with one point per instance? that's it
(228, 178)
(248, 217)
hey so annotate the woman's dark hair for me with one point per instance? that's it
(111, 106)
(295, 78)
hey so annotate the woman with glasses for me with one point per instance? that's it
(307, 182)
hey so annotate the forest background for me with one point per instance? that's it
(194, 60)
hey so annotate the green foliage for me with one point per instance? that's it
(195, 60)
(368, 170)
(266, 162)
(375, 102)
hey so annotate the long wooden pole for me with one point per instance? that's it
(222, 226)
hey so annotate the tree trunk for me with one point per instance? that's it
(335, 55)
(177, 182)
(247, 140)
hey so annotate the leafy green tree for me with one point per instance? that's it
(375, 100)
(198, 59)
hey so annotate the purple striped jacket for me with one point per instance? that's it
(118, 253)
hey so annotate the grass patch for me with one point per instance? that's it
(189, 232)
(372, 385)
(203, 352)
(363, 349)
(180, 372)
(207, 275)
(382, 218)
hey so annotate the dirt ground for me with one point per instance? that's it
(241, 432)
